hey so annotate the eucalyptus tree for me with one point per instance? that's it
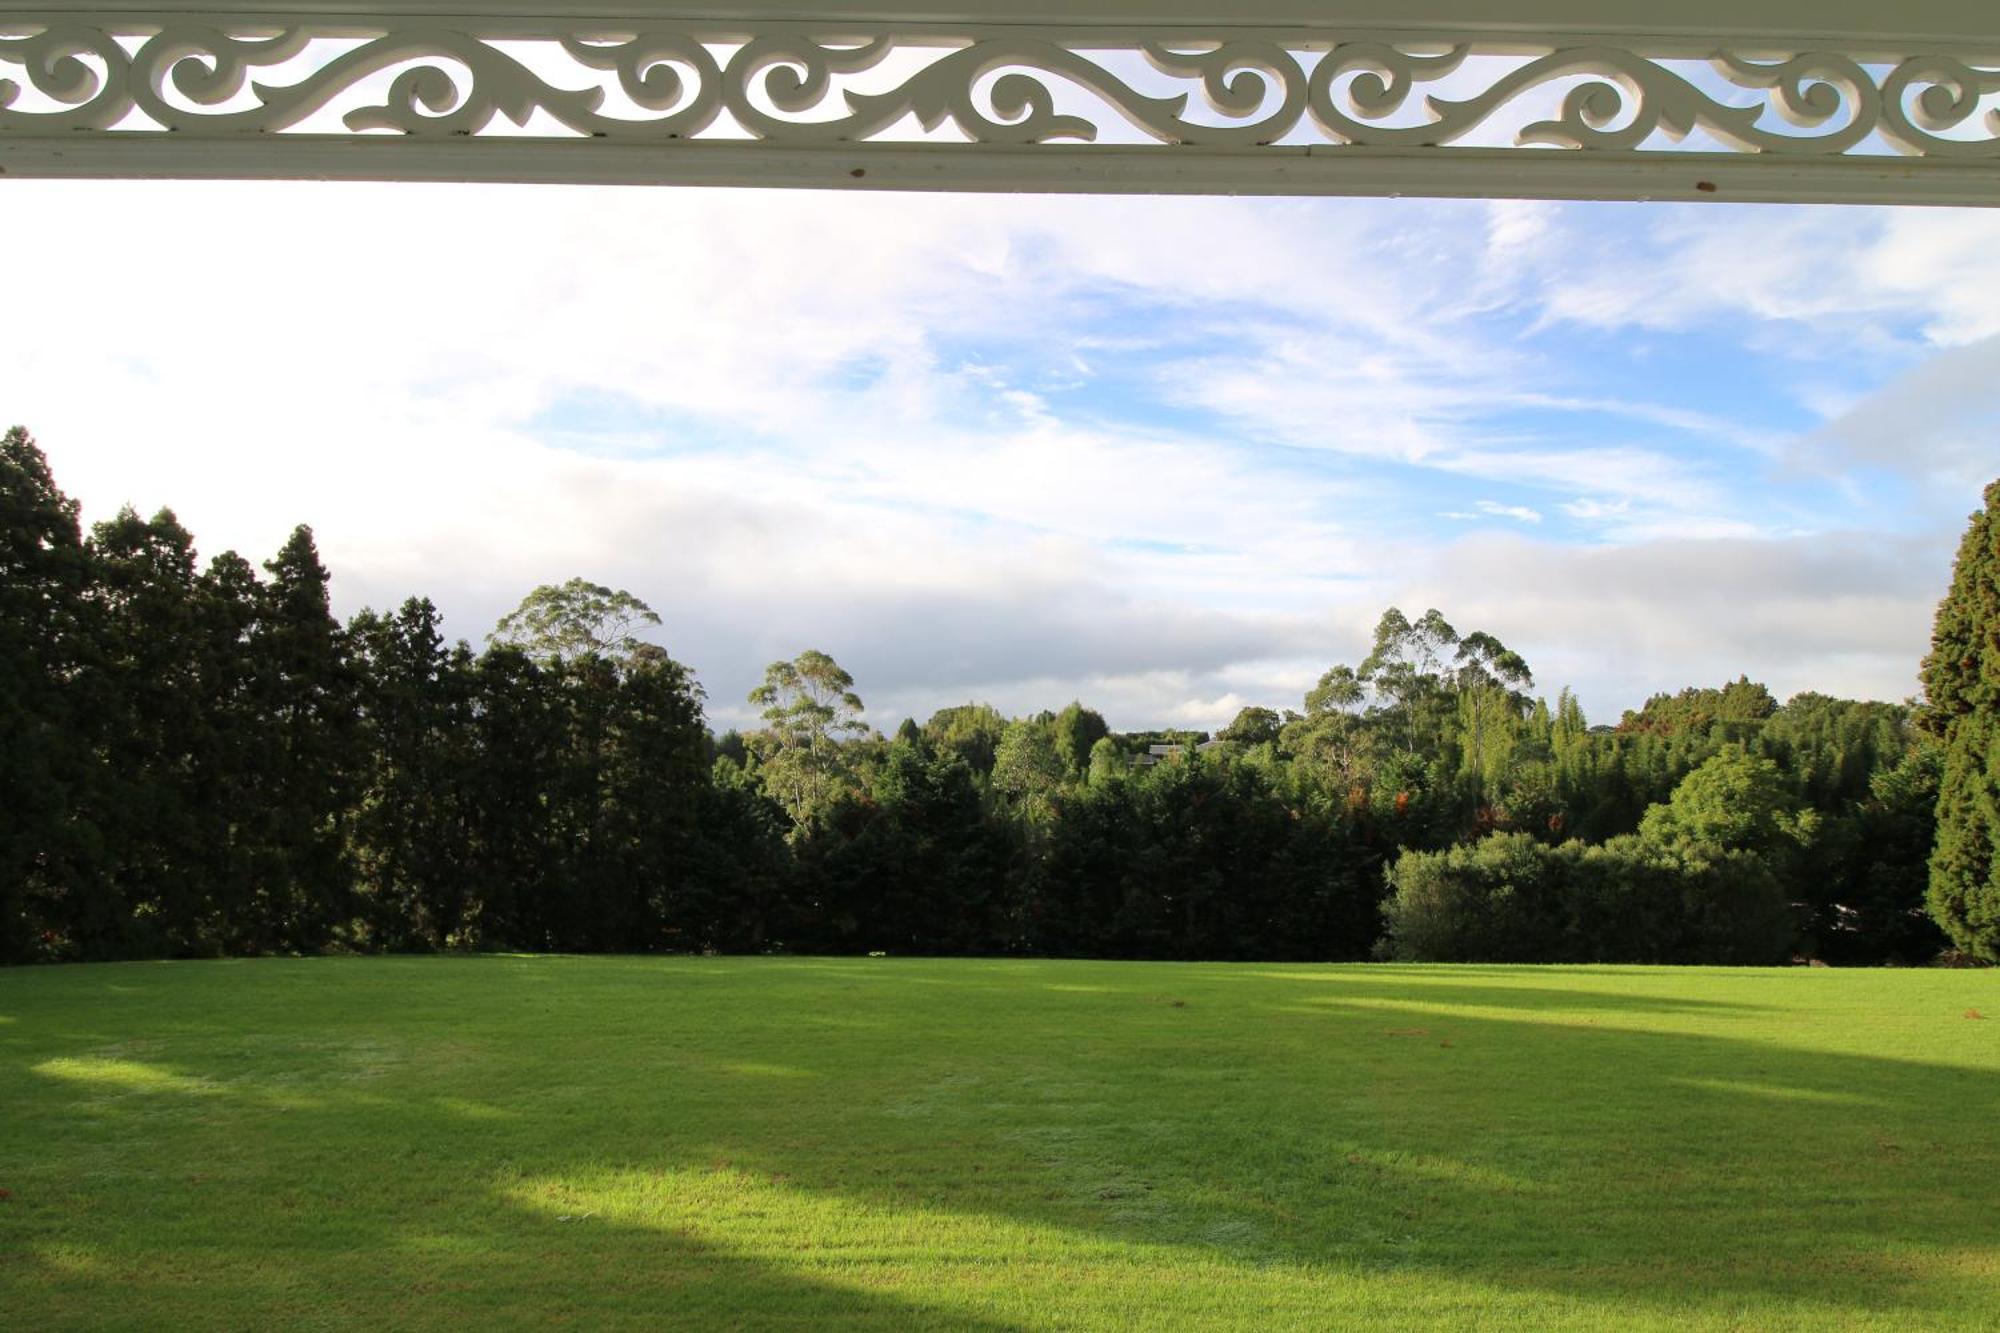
(1483, 662)
(811, 715)
(1407, 668)
(1491, 682)
(575, 619)
(1030, 769)
(1489, 727)
(1331, 738)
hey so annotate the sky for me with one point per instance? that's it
(1167, 456)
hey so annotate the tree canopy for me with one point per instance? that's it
(810, 711)
(576, 619)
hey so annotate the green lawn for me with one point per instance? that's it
(765, 1143)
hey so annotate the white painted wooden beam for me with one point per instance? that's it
(1050, 169)
(1832, 101)
(1860, 27)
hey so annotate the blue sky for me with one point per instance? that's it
(1169, 456)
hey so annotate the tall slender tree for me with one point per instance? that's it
(44, 645)
(310, 763)
(811, 710)
(229, 788)
(519, 732)
(1962, 681)
(655, 771)
(411, 824)
(1408, 667)
(149, 600)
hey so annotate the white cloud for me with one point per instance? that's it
(1939, 422)
(886, 426)
(1590, 509)
(1841, 613)
(1483, 509)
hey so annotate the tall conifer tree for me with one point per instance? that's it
(153, 718)
(412, 829)
(229, 781)
(1962, 679)
(312, 752)
(44, 641)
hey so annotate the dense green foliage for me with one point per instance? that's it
(208, 763)
(820, 1144)
(1962, 679)
(203, 761)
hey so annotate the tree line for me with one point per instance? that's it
(203, 761)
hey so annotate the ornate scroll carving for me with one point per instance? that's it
(1240, 91)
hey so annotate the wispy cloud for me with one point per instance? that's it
(1166, 455)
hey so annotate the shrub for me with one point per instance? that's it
(1498, 900)
(1511, 899)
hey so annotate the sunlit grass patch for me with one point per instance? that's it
(995, 1145)
(109, 1075)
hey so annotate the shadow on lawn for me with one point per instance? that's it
(1709, 1170)
(1668, 1172)
(1350, 985)
(532, 1270)
(199, 1247)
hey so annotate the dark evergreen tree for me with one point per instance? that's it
(655, 774)
(1199, 858)
(308, 756)
(154, 717)
(1079, 889)
(1865, 883)
(915, 864)
(228, 790)
(49, 855)
(739, 871)
(1962, 680)
(730, 745)
(412, 825)
(513, 879)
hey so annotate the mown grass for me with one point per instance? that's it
(811, 1144)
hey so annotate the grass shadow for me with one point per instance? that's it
(1059, 1145)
